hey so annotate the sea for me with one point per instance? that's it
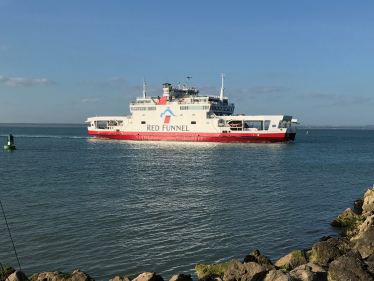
(120, 208)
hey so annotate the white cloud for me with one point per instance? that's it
(25, 82)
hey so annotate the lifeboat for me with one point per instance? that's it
(236, 125)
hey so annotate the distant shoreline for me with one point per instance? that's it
(42, 125)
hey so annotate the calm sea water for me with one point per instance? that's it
(111, 207)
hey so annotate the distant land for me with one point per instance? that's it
(42, 125)
(365, 127)
(311, 127)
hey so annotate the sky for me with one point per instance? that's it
(64, 61)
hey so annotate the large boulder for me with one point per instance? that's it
(364, 241)
(345, 219)
(329, 250)
(206, 269)
(148, 276)
(282, 261)
(296, 262)
(17, 276)
(244, 272)
(349, 267)
(77, 275)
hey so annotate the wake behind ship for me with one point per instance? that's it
(181, 114)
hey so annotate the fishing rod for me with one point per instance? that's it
(10, 235)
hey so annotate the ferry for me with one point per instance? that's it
(182, 114)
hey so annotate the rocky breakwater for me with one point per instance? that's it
(346, 258)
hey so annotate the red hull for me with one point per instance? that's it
(277, 137)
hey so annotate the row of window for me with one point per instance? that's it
(192, 122)
(194, 107)
(143, 108)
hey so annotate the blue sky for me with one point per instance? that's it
(64, 61)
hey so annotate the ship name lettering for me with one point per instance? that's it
(175, 128)
(153, 127)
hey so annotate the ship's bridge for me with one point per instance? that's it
(187, 97)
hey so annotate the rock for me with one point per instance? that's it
(345, 218)
(368, 192)
(77, 275)
(325, 238)
(330, 250)
(295, 262)
(118, 278)
(181, 277)
(255, 253)
(368, 206)
(5, 272)
(255, 256)
(34, 277)
(370, 264)
(278, 275)
(284, 260)
(250, 258)
(17, 276)
(364, 227)
(245, 272)
(304, 273)
(370, 258)
(148, 276)
(211, 277)
(206, 269)
(365, 241)
(349, 267)
(358, 204)
(262, 260)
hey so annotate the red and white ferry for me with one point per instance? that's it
(181, 114)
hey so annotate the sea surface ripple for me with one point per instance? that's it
(112, 207)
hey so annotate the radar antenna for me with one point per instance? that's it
(188, 79)
(222, 88)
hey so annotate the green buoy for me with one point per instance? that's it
(10, 145)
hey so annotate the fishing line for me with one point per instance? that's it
(10, 235)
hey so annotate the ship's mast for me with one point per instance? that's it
(144, 93)
(188, 79)
(222, 88)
